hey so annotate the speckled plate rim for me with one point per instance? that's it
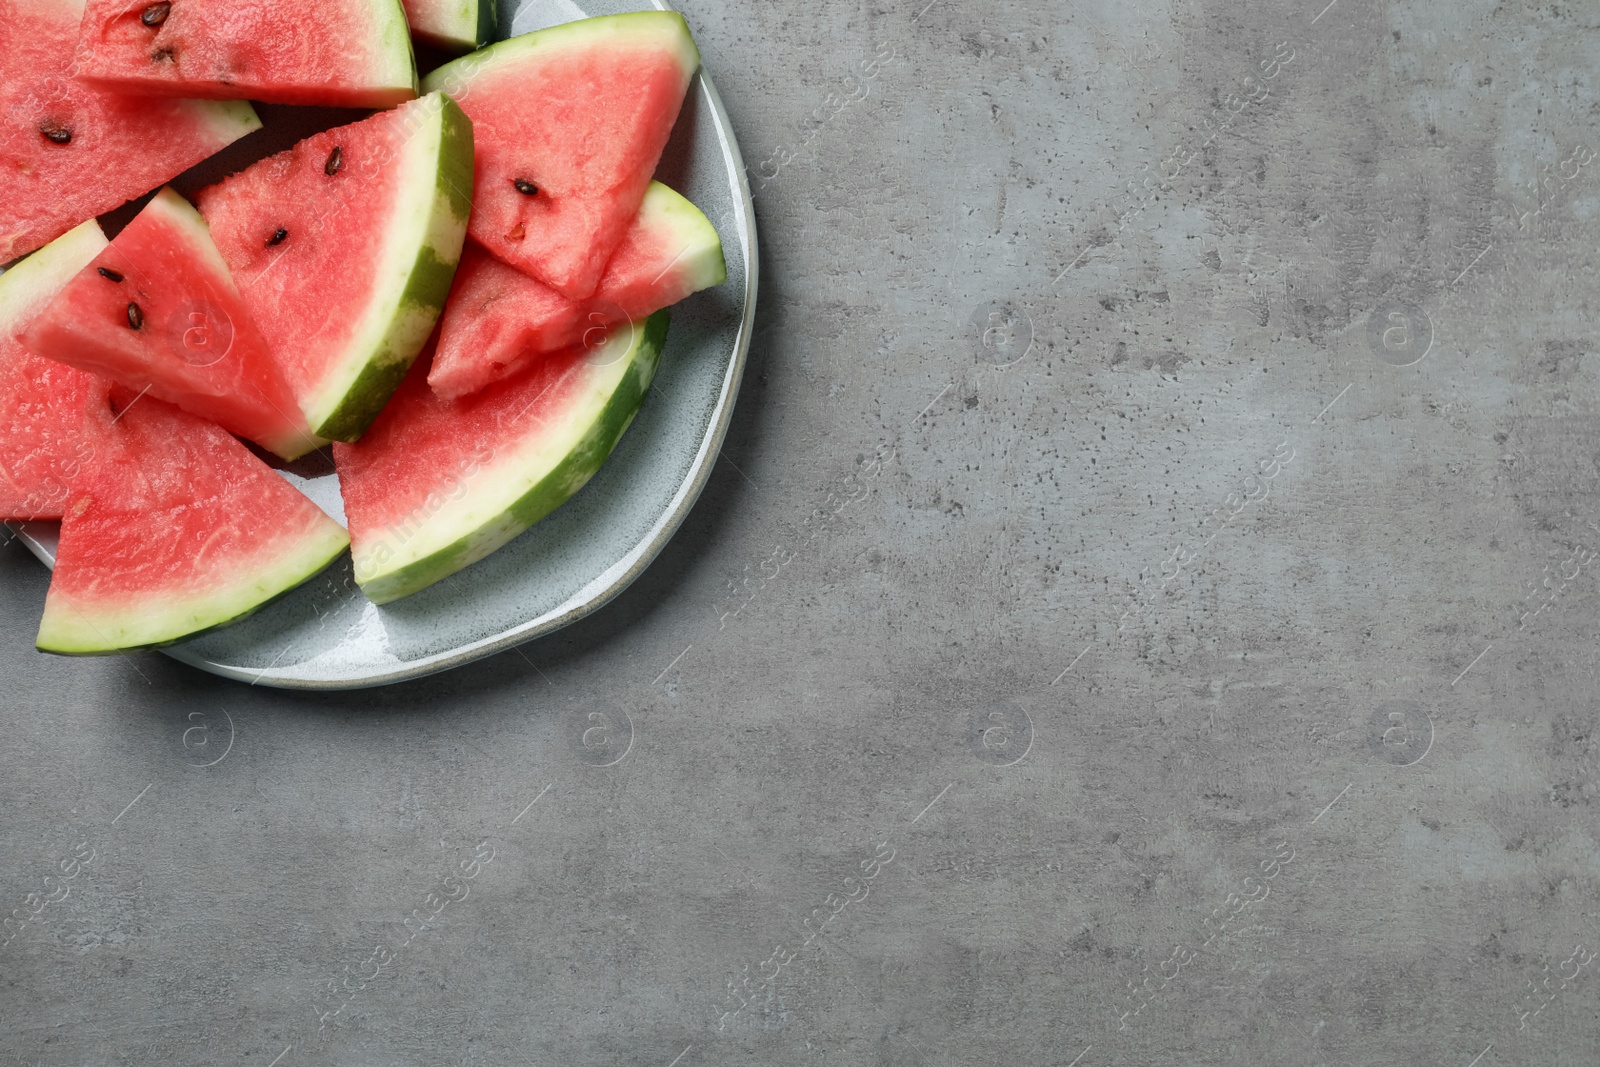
(613, 580)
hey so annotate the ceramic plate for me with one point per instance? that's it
(326, 635)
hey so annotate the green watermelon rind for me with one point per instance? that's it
(701, 261)
(488, 23)
(457, 76)
(423, 248)
(451, 539)
(473, 27)
(27, 287)
(68, 630)
(229, 120)
(399, 81)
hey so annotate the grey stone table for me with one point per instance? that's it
(1146, 613)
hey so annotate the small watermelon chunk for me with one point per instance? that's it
(175, 530)
(452, 25)
(570, 123)
(69, 152)
(344, 247)
(43, 439)
(498, 320)
(437, 485)
(156, 310)
(340, 53)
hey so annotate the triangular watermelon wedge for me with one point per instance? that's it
(43, 439)
(438, 485)
(344, 247)
(158, 311)
(68, 151)
(176, 529)
(569, 123)
(499, 320)
(344, 53)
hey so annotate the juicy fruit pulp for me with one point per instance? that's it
(43, 440)
(344, 248)
(69, 151)
(570, 123)
(174, 530)
(499, 320)
(438, 485)
(157, 311)
(350, 53)
(453, 25)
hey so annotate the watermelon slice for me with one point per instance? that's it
(42, 440)
(437, 485)
(570, 123)
(157, 311)
(344, 248)
(498, 320)
(176, 529)
(69, 152)
(344, 53)
(452, 25)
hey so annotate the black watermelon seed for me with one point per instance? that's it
(107, 272)
(335, 161)
(525, 187)
(55, 133)
(278, 237)
(135, 316)
(156, 14)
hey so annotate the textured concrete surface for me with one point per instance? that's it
(1146, 614)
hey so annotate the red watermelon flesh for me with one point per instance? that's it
(569, 124)
(496, 322)
(174, 530)
(43, 440)
(68, 151)
(157, 310)
(346, 53)
(499, 320)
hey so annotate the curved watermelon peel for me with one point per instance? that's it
(438, 485)
(452, 25)
(73, 631)
(396, 334)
